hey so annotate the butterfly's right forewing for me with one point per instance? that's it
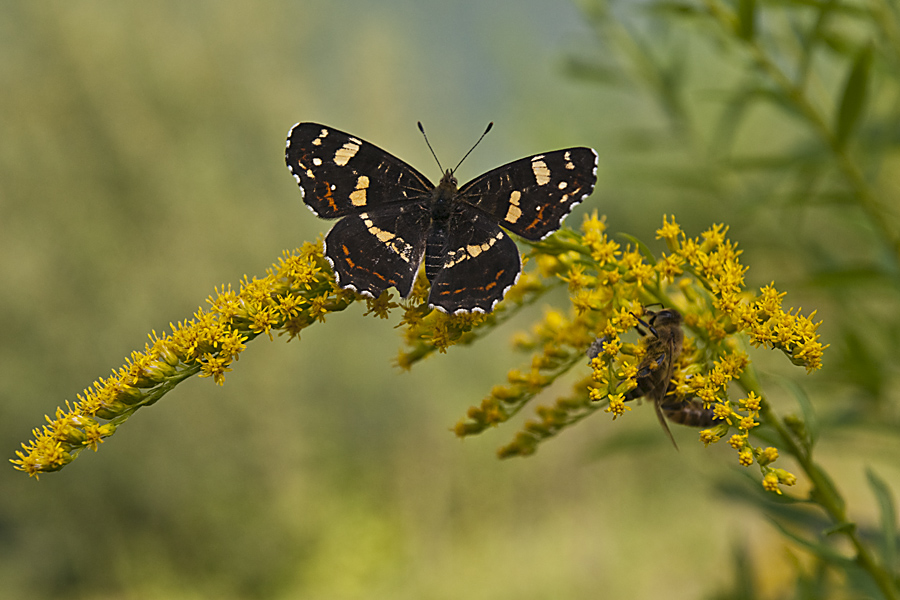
(531, 196)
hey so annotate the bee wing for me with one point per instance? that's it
(663, 377)
(662, 419)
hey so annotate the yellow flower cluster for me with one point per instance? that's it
(297, 291)
(608, 287)
(715, 263)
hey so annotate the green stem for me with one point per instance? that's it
(825, 494)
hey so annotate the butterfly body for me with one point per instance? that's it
(393, 219)
(441, 208)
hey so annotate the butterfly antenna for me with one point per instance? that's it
(491, 124)
(422, 129)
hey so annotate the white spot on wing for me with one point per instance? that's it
(287, 144)
(540, 170)
(454, 257)
(513, 212)
(346, 152)
(358, 196)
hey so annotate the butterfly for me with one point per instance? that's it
(392, 218)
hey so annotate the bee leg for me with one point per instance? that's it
(645, 324)
(645, 383)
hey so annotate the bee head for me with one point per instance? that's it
(666, 316)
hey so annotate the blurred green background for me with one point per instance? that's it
(141, 164)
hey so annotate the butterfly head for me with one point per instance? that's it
(448, 181)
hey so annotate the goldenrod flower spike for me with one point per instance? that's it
(297, 291)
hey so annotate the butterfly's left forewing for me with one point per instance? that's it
(341, 174)
(531, 196)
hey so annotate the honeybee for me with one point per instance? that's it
(663, 341)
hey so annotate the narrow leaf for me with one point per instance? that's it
(821, 550)
(826, 492)
(675, 8)
(586, 70)
(888, 518)
(853, 99)
(852, 277)
(810, 420)
(641, 246)
(746, 28)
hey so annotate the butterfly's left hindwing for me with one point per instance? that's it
(532, 196)
(340, 174)
(371, 252)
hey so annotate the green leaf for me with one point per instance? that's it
(641, 246)
(731, 118)
(587, 70)
(746, 27)
(826, 492)
(843, 9)
(682, 9)
(888, 518)
(852, 277)
(863, 364)
(853, 99)
(842, 527)
(838, 42)
(821, 550)
(810, 421)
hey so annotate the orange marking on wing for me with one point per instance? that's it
(329, 197)
(347, 257)
(538, 219)
(493, 284)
